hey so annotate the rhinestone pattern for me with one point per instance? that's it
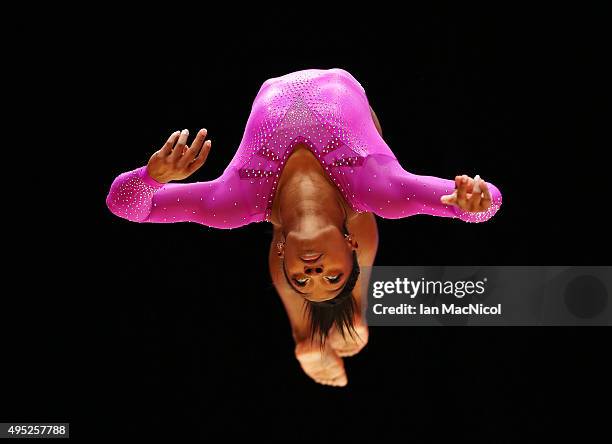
(328, 112)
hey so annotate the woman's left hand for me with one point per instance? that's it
(470, 194)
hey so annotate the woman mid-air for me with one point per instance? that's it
(313, 163)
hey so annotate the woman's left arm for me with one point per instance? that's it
(397, 193)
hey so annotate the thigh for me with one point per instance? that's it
(365, 230)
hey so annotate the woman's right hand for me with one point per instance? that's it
(175, 160)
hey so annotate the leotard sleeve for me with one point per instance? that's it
(219, 203)
(387, 189)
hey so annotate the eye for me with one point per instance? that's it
(333, 279)
(301, 282)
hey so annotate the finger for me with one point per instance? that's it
(476, 195)
(177, 152)
(449, 199)
(485, 203)
(191, 152)
(458, 181)
(469, 185)
(199, 140)
(477, 188)
(199, 161)
(466, 181)
(474, 187)
(462, 193)
(167, 148)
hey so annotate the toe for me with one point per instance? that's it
(341, 381)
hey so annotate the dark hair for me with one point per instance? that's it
(338, 311)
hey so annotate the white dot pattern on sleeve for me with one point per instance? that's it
(328, 112)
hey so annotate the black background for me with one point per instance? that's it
(176, 330)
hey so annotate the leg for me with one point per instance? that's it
(322, 365)
(364, 228)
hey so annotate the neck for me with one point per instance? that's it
(311, 213)
(306, 200)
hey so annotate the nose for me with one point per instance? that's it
(310, 269)
(312, 263)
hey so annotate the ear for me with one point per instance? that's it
(280, 249)
(352, 242)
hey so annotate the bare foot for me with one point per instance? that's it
(324, 366)
(348, 346)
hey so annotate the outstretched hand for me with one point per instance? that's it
(176, 160)
(470, 194)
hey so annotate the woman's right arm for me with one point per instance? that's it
(144, 194)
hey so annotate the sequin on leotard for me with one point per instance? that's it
(328, 112)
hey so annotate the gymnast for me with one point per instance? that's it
(313, 163)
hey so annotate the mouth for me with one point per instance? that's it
(311, 257)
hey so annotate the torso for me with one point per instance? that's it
(304, 176)
(324, 111)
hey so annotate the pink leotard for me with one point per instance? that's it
(328, 111)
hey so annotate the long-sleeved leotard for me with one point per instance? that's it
(326, 110)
